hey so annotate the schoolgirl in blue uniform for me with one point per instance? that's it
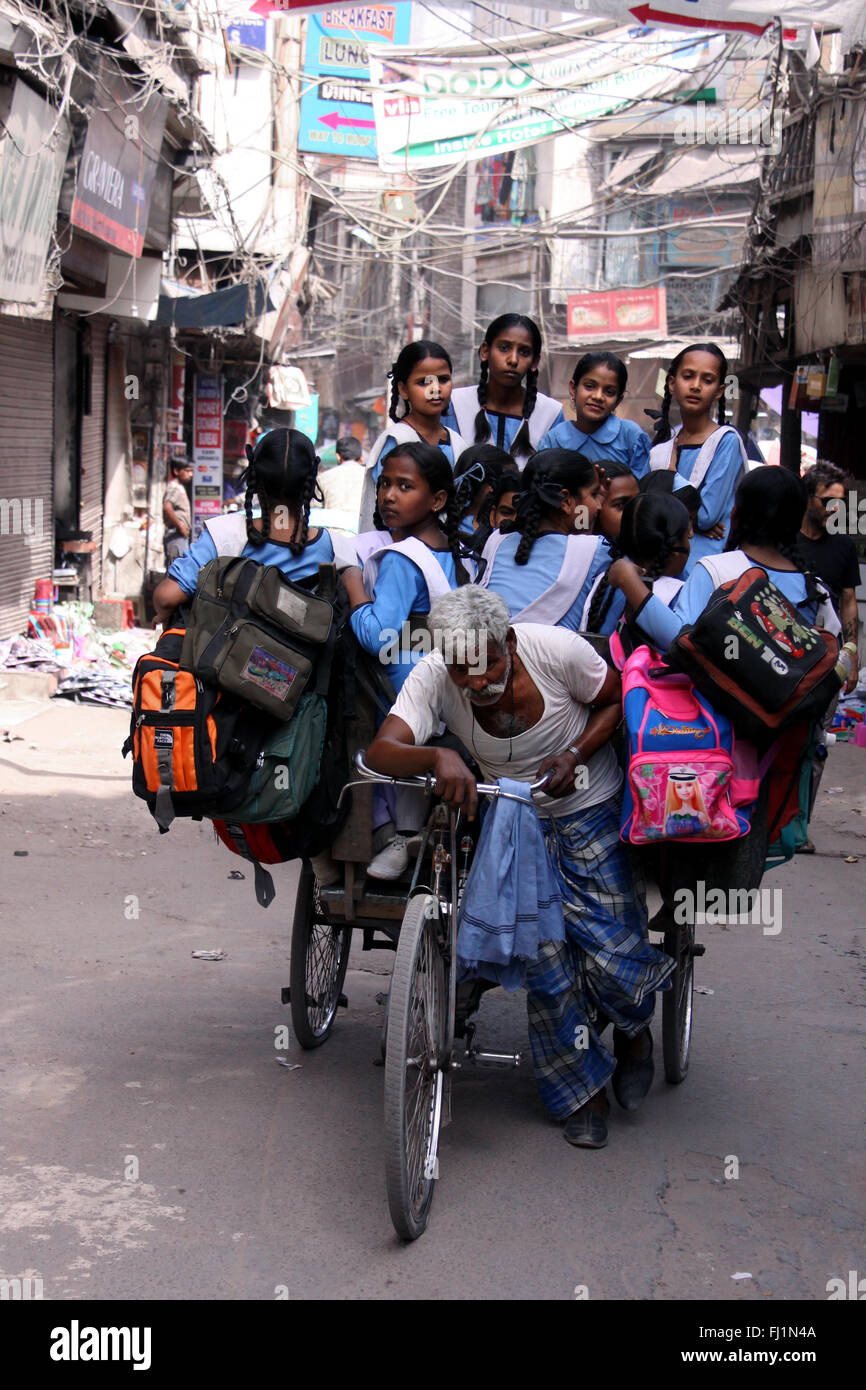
(506, 408)
(420, 395)
(423, 559)
(545, 569)
(707, 454)
(596, 389)
(769, 508)
(654, 534)
(282, 477)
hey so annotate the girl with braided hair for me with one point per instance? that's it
(766, 518)
(281, 478)
(476, 477)
(423, 559)
(706, 453)
(420, 394)
(596, 389)
(546, 567)
(506, 408)
(654, 535)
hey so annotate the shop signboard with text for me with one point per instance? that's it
(115, 176)
(750, 17)
(336, 101)
(618, 314)
(207, 451)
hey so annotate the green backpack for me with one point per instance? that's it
(288, 766)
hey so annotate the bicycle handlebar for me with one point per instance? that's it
(427, 780)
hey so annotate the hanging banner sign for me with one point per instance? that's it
(207, 450)
(618, 314)
(740, 16)
(443, 112)
(174, 413)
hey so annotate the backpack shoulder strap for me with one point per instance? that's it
(661, 454)
(729, 565)
(488, 555)
(707, 453)
(420, 555)
(542, 417)
(228, 533)
(555, 601)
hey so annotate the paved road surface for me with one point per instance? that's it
(152, 1147)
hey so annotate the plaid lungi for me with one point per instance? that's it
(605, 966)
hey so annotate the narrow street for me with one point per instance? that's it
(153, 1147)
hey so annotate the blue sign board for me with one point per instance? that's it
(337, 104)
(252, 33)
(306, 417)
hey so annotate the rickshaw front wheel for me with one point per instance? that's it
(414, 1079)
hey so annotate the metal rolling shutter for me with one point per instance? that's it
(93, 449)
(26, 467)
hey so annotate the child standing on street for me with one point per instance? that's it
(506, 408)
(596, 389)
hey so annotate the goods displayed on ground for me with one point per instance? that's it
(93, 662)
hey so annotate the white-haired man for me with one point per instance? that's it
(526, 700)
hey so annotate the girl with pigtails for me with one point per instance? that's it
(545, 566)
(654, 535)
(707, 454)
(420, 392)
(281, 477)
(421, 557)
(765, 523)
(506, 408)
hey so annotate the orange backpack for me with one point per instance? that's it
(194, 747)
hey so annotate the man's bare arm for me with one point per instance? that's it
(393, 752)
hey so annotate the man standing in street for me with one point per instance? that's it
(341, 486)
(828, 551)
(831, 555)
(176, 512)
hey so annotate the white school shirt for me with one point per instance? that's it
(568, 673)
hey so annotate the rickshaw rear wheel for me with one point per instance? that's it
(677, 1001)
(414, 1076)
(318, 963)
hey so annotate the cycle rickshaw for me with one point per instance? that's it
(426, 1014)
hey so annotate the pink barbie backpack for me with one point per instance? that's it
(683, 780)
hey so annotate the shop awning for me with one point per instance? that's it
(222, 309)
(629, 163)
(729, 167)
